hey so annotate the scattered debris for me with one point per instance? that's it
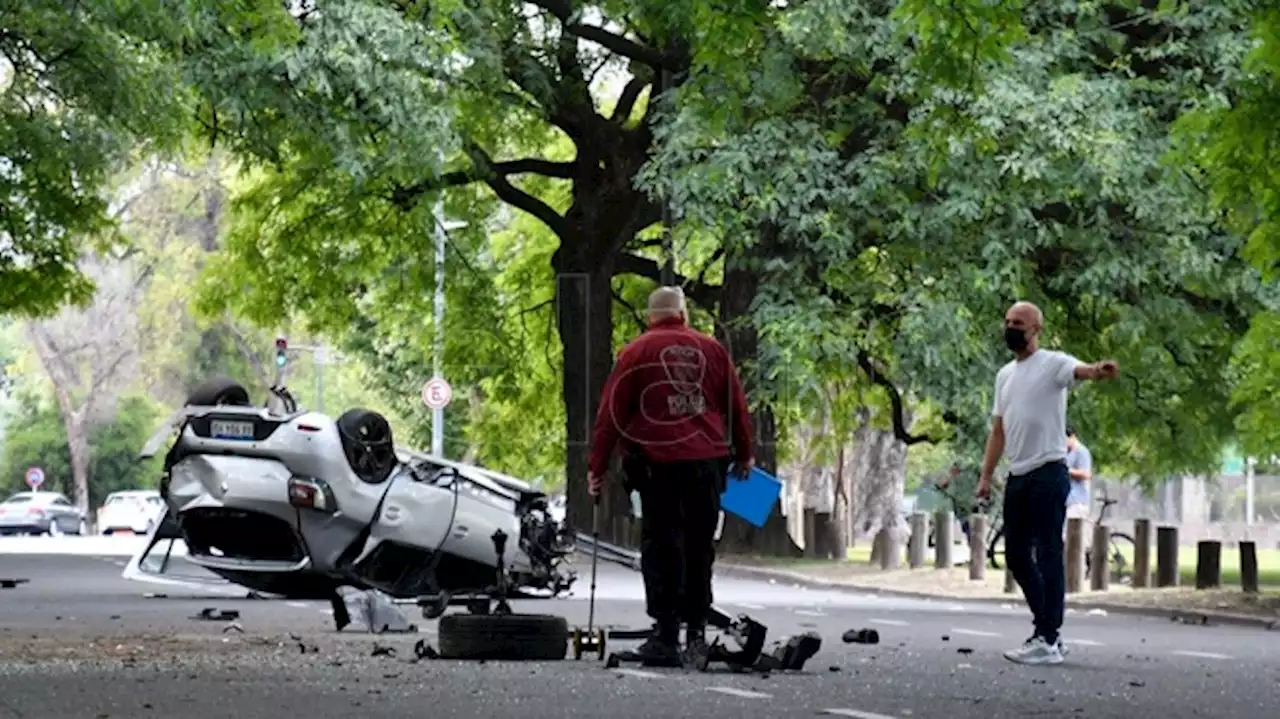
(1136, 683)
(381, 650)
(378, 612)
(861, 636)
(1193, 618)
(12, 583)
(946, 638)
(833, 668)
(213, 614)
(115, 616)
(233, 627)
(964, 650)
(422, 650)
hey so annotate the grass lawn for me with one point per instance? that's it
(1268, 564)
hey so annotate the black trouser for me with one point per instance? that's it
(680, 507)
(1035, 508)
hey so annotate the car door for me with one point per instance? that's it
(65, 514)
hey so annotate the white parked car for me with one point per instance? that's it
(136, 511)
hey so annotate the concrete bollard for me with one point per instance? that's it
(1249, 566)
(942, 525)
(977, 547)
(1167, 574)
(1100, 561)
(1075, 555)
(919, 540)
(1141, 553)
(1208, 564)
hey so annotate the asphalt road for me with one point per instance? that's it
(79, 641)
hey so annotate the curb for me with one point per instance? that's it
(1193, 616)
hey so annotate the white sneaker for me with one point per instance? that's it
(1062, 647)
(1035, 651)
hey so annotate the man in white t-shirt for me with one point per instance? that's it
(1029, 429)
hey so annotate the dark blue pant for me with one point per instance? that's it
(1035, 508)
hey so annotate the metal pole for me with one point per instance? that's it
(668, 274)
(437, 415)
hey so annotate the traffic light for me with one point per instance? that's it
(282, 352)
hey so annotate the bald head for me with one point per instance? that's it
(1026, 313)
(1022, 325)
(666, 303)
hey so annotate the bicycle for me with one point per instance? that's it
(995, 528)
(1117, 560)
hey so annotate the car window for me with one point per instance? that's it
(154, 500)
(18, 499)
(114, 499)
(62, 502)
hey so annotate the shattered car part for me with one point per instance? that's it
(377, 611)
(298, 504)
(213, 614)
(863, 636)
(12, 583)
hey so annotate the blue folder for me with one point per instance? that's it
(752, 498)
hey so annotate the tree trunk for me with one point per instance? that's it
(584, 307)
(738, 333)
(78, 446)
(879, 477)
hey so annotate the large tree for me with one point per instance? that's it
(915, 206)
(378, 107)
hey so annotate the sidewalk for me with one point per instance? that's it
(1223, 606)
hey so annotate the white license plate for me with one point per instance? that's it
(223, 429)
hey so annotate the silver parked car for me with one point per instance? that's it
(48, 513)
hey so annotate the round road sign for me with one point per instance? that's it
(437, 393)
(35, 477)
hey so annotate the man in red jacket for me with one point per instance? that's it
(670, 398)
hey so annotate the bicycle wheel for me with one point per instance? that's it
(993, 555)
(1122, 547)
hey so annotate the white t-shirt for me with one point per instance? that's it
(1031, 397)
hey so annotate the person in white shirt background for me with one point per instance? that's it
(1029, 420)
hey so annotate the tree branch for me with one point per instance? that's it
(703, 294)
(516, 197)
(877, 377)
(564, 12)
(403, 196)
(627, 100)
(635, 314)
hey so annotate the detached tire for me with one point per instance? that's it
(513, 637)
(219, 391)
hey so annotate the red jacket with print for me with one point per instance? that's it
(673, 393)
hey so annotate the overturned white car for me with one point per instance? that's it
(298, 504)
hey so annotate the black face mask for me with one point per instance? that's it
(1015, 338)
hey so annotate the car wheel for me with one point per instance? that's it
(54, 530)
(368, 444)
(503, 636)
(83, 528)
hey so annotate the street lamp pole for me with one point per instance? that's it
(668, 274)
(437, 414)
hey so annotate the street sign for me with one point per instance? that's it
(437, 393)
(35, 477)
